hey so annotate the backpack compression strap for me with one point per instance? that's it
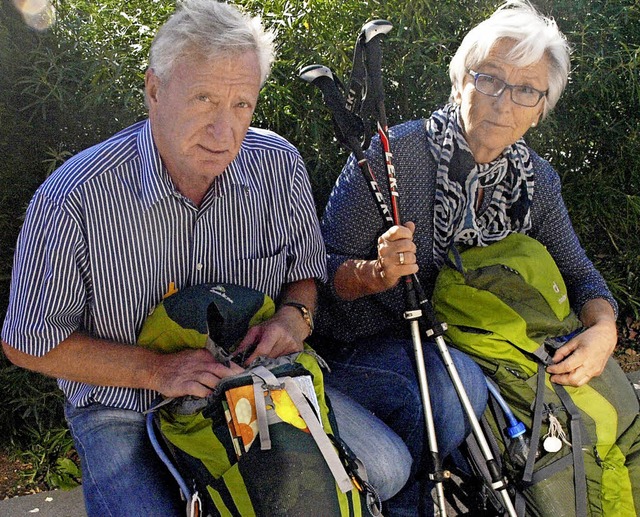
(579, 437)
(579, 474)
(264, 379)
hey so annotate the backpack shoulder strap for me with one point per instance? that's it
(536, 425)
(578, 438)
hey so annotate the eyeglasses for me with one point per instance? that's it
(493, 87)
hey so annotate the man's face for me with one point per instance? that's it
(201, 113)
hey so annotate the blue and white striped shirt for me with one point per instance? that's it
(108, 234)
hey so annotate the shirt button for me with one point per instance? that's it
(199, 267)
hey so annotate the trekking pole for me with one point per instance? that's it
(370, 36)
(322, 77)
(348, 129)
(350, 133)
(434, 328)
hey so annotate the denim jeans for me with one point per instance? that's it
(122, 476)
(385, 456)
(121, 473)
(379, 374)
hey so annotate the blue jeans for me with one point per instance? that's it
(122, 476)
(379, 374)
(385, 456)
(121, 473)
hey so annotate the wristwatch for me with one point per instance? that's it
(306, 313)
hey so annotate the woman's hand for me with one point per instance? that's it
(396, 255)
(396, 258)
(586, 355)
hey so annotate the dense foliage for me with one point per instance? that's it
(68, 87)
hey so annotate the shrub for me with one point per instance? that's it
(80, 82)
(65, 89)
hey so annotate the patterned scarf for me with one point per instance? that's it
(508, 180)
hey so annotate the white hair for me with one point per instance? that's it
(534, 37)
(209, 29)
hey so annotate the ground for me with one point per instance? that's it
(12, 481)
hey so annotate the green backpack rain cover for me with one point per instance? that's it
(505, 305)
(265, 442)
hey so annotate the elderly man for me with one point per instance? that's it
(191, 195)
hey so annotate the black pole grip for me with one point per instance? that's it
(348, 126)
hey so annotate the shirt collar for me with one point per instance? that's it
(157, 184)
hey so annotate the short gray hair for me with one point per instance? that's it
(210, 29)
(535, 36)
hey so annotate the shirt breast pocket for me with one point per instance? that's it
(266, 274)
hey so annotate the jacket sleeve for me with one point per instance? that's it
(552, 227)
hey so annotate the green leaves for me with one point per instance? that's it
(81, 81)
(52, 459)
(76, 84)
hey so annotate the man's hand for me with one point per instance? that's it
(286, 331)
(190, 372)
(275, 337)
(586, 355)
(83, 358)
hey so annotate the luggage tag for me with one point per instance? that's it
(195, 505)
(556, 437)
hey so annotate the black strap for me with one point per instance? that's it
(356, 99)
(551, 469)
(536, 424)
(543, 356)
(579, 437)
(579, 474)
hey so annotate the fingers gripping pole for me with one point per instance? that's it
(347, 134)
(371, 33)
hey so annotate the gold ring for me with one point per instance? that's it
(401, 258)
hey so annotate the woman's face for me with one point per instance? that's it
(493, 123)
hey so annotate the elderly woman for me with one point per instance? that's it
(465, 175)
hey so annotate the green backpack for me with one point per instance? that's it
(265, 443)
(506, 305)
